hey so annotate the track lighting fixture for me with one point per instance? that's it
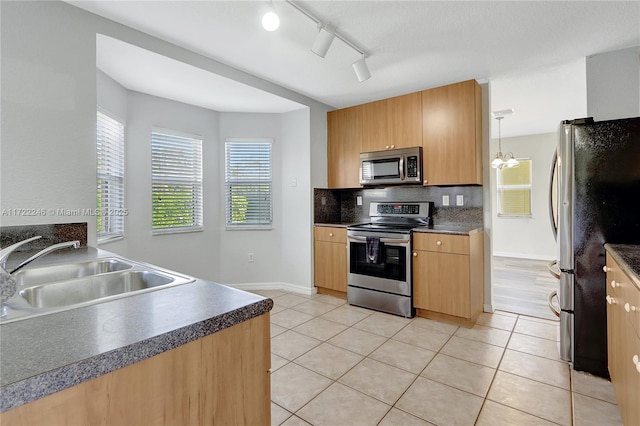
(323, 41)
(270, 20)
(361, 69)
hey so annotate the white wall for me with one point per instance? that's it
(530, 238)
(613, 84)
(48, 80)
(48, 113)
(297, 200)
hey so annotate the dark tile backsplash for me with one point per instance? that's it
(51, 234)
(340, 205)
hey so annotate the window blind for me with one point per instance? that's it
(176, 182)
(248, 192)
(514, 190)
(110, 210)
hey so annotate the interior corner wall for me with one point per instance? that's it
(266, 245)
(527, 237)
(48, 114)
(297, 200)
(613, 84)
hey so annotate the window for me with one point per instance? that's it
(248, 184)
(110, 210)
(176, 182)
(514, 190)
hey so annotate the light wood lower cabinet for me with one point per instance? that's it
(221, 379)
(330, 259)
(448, 276)
(623, 341)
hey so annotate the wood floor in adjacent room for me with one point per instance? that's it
(521, 286)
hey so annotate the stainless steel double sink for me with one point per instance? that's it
(47, 289)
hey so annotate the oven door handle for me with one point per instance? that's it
(382, 240)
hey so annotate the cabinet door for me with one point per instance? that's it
(392, 123)
(344, 144)
(375, 126)
(441, 283)
(451, 134)
(405, 120)
(330, 265)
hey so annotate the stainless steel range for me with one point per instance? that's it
(379, 257)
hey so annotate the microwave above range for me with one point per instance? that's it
(391, 167)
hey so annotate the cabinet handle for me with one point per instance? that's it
(415, 254)
(438, 243)
(386, 147)
(424, 182)
(614, 284)
(393, 146)
(331, 234)
(636, 361)
(629, 308)
(609, 299)
(605, 268)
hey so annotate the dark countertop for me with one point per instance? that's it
(453, 229)
(46, 354)
(628, 257)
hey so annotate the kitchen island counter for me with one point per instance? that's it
(47, 354)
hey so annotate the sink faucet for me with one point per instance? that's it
(7, 281)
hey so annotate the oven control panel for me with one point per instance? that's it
(398, 209)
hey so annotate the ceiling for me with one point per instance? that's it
(412, 45)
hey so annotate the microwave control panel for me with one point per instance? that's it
(412, 167)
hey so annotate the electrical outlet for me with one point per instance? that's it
(445, 200)
(459, 200)
(250, 257)
(359, 200)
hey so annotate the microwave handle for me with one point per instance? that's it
(401, 167)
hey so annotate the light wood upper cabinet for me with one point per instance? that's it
(330, 258)
(344, 144)
(392, 123)
(452, 134)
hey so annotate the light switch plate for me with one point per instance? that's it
(459, 200)
(445, 200)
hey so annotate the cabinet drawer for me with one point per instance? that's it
(442, 243)
(326, 233)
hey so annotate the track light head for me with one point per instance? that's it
(361, 69)
(322, 42)
(270, 20)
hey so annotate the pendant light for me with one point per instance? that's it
(503, 160)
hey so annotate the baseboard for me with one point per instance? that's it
(524, 256)
(488, 308)
(293, 288)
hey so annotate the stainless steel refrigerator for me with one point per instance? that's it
(597, 173)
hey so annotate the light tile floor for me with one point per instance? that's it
(336, 364)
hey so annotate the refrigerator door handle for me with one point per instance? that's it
(553, 195)
(565, 197)
(553, 295)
